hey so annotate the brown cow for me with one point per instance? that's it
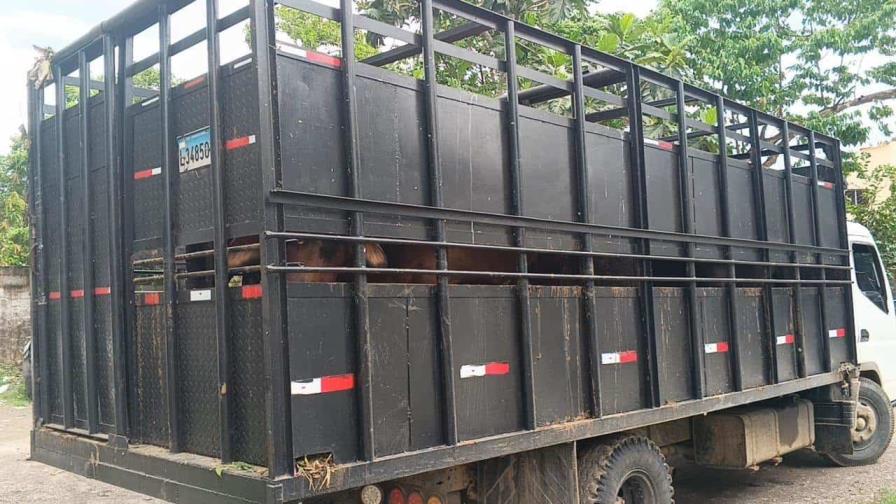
(311, 253)
(459, 259)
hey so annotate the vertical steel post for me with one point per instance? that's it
(124, 95)
(278, 406)
(513, 133)
(87, 285)
(639, 192)
(170, 181)
(353, 163)
(834, 154)
(443, 302)
(797, 311)
(68, 408)
(39, 280)
(768, 321)
(819, 258)
(698, 352)
(723, 189)
(222, 296)
(589, 300)
(114, 114)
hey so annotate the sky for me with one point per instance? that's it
(56, 23)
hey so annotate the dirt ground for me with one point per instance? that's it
(803, 478)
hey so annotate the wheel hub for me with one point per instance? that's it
(866, 423)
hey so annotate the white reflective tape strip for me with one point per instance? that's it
(201, 295)
(306, 387)
(787, 339)
(291, 49)
(242, 63)
(150, 101)
(469, 371)
(837, 333)
(609, 358)
(157, 171)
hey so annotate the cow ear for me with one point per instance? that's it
(375, 256)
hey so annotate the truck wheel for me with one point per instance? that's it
(874, 427)
(625, 469)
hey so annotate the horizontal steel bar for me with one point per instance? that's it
(189, 41)
(287, 197)
(533, 250)
(602, 78)
(544, 276)
(543, 78)
(468, 55)
(399, 53)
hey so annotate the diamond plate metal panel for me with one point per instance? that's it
(246, 381)
(196, 361)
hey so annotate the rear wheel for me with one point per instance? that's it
(625, 469)
(874, 427)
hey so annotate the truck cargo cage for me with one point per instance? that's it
(616, 280)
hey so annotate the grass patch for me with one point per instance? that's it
(12, 387)
(886, 497)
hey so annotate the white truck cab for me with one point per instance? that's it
(875, 310)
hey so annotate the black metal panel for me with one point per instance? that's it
(547, 175)
(474, 167)
(707, 206)
(486, 329)
(813, 330)
(609, 174)
(753, 355)
(311, 146)
(713, 321)
(54, 361)
(623, 387)
(195, 363)
(802, 202)
(663, 204)
(194, 191)
(392, 149)
(776, 212)
(742, 208)
(246, 383)
(146, 147)
(560, 356)
(150, 423)
(786, 346)
(405, 369)
(829, 224)
(242, 169)
(78, 354)
(836, 325)
(322, 423)
(673, 344)
(104, 364)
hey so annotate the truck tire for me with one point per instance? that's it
(626, 468)
(874, 427)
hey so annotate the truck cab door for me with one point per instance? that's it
(875, 313)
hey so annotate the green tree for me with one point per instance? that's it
(15, 236)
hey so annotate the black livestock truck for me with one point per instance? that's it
(308, 276)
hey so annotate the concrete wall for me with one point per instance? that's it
(15, 313)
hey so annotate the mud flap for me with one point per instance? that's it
(835, 413)
(546, 476)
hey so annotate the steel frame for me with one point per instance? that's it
(116, 35)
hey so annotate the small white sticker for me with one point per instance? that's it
(201, 295)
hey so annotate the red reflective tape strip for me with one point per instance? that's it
(826, 185)
(667, 146)
(720, 347)
(837, 333)
(619, 357)
(252, 291)
(102, 291)
(786, 339)
(77, 293)
(325, 59)
(152, 298)
(323, 385)
(148, 173)
(337, 383)
(195, 82)
(239, 143)
(487, 369)
(497, 368)
(55, 296)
